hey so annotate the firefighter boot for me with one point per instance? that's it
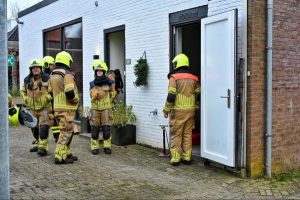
(43, 147)
(186, 157)
(107, 150)
(95, 146)
(94, 140)
(60, 154)
(35, 133)
(43, 142)
(69, 154)
(175, 157)
(107, 146)
(74, 158)
(35, 147)
(107, 140)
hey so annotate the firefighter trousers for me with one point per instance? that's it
(41, 132)
(65, 120)
(100, 120)
(182, 123)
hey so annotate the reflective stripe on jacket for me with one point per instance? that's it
(61, 83)
(35, 94)
(182, 91)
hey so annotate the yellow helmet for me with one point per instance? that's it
(64, 58)
(13, 116)
(48, 60)
(36, 63)
(99, 65)
(181, 60)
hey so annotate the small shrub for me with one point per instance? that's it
(141, 72)
(123, 115)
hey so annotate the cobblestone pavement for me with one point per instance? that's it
(132, 172)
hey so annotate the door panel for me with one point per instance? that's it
(218, 88)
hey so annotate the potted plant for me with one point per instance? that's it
(123, 129)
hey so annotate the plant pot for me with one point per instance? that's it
(124, 135)
(85, 125)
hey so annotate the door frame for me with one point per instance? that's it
(106, 33)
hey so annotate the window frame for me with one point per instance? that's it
(61, 28)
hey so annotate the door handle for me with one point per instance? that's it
(228, 98)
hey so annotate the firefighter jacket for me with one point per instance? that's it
(183, 90)
(35, 93)
(63, 89)
(102, 94)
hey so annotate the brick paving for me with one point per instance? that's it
(132, 172)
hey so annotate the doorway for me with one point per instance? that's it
(187, 41)
(115, 54)
(210, 44)
(185, 37)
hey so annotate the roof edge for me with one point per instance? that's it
(35, 7)
(10, 33)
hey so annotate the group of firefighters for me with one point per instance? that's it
(51, 94)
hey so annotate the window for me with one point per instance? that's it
(67, 37)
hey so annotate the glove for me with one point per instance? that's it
(48, 97)
(75, 100)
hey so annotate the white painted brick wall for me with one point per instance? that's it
(147, 28)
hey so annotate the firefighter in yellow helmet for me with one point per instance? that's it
(49, 64)
(102, 94)
(183, 90)
(64, 91)
(35, 95)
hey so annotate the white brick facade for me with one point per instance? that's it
(147, 28)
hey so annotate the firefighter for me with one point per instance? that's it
(35, 95)
(64, 91)
(102, 94)
(49, 64)
(180, 106)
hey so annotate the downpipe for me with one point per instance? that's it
(268, 135)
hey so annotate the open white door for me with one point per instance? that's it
(218, 88)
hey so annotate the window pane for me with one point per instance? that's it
(73, 45)
(73, 37)
(53, 42)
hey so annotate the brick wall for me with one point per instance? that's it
(286, 83)
(256, 86)
(286, 86)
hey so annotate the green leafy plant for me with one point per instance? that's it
(14, 91)
(123, 115)
(141, 71)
